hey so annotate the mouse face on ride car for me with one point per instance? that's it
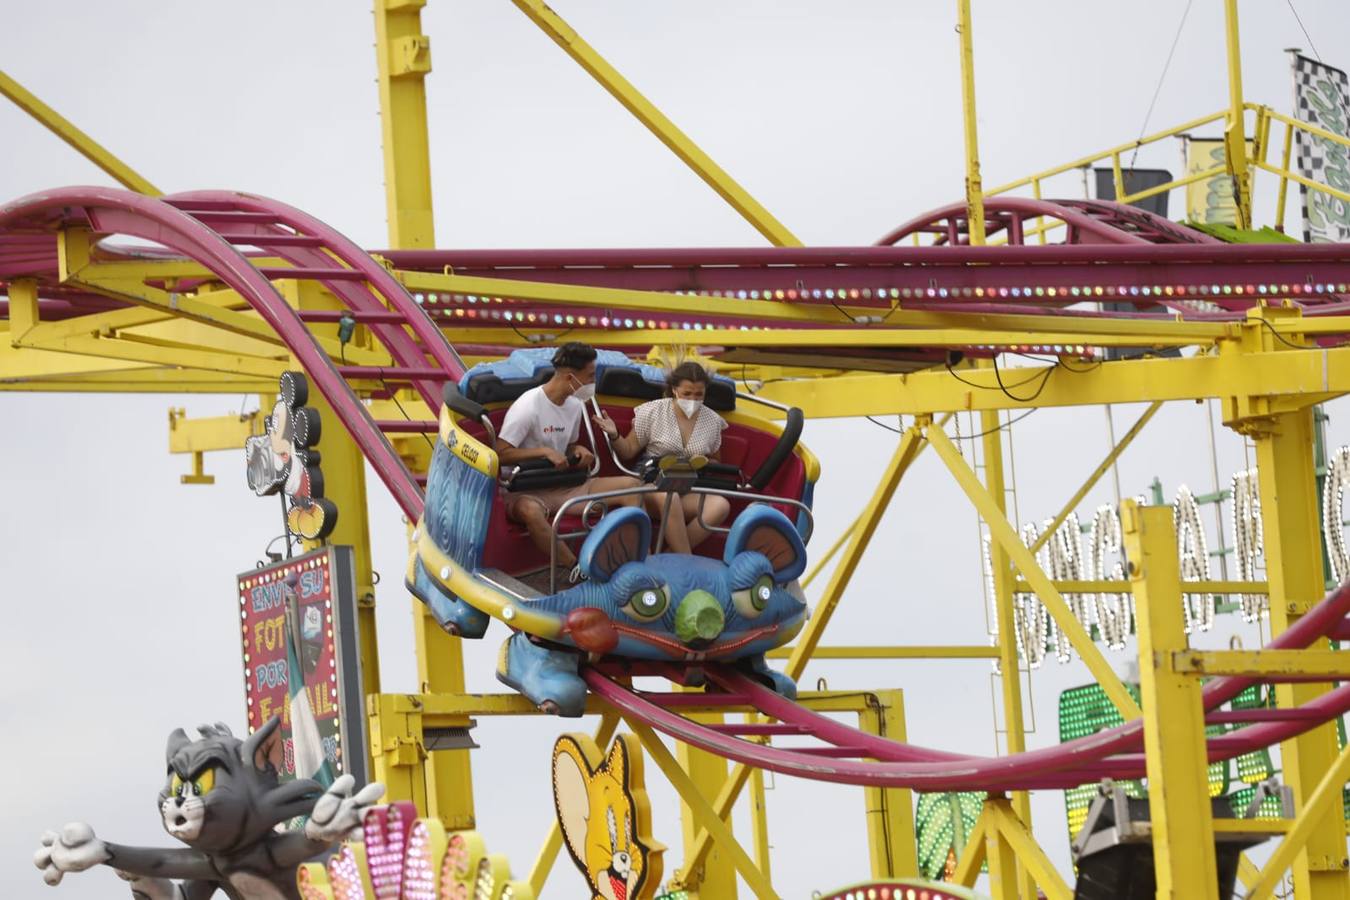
(678, 607)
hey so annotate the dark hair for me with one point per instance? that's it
(573, 355)
(686, 371)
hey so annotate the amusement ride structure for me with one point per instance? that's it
(410, 355)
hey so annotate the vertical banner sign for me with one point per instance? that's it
(1210, 201)
(1322, 98)
(302, 661)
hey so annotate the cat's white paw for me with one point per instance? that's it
(339, 811)
(73, 850)
(143, 888)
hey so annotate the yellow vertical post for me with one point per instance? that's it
(1293, 548)
(440, 669)
(998, 853)
(1234, 131)
(1010, 674)
(974, 185)
(890, 811)
(403, 57)
(344, 471)
(396, 745)
(1179, 806)
(759, 822)
(716, 877)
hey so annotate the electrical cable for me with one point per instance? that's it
(1161, 78)
(985, 387)
(884, 425)
(1299, 19)
(1006, 425)
(1050, 370)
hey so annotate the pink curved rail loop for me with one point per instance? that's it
(110, 211)
(1113, 752)
(203, 205)
(209, 227)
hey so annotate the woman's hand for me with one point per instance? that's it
(607, 426)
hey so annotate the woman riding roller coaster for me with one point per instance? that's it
(678, 425)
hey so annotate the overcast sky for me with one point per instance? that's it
(842, 118)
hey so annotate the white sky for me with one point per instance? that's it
(843, 119)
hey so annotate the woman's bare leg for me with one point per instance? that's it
(715, 510)
(675, 538)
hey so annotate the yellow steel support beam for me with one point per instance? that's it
(759, 820)
(821, 561)
(710, 820)
(182, 357)
(1293, 551)
(980, 327)
(23, 308)
(1015, 836)
(1003, 533)
(862, 336)
(1234, 132)
(83, 144)
(890, 811)
(887, 652)
(396, 746)
(1174, 717)
(1010, 673)
(911, 443)
(1323, 804)
(665, 130)
(344, 469)
(974, 185)
(972, 857)
(905, 453)
(1333, 664)
(1123, 587)
(1096, 475)
(199, 436)
(1290, 373)
(715, 874)
(403, 58)
(548, 854)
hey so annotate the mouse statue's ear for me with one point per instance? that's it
(764, 530)
(622, 536)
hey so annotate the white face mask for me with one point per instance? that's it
(584, 393)
(690, 407)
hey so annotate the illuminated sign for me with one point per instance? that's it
(282, 460)
(298, 633)
(906, 889)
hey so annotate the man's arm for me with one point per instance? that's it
(515, 429)
(511, 455)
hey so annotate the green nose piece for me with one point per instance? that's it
(699, 617)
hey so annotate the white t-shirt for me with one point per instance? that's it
(536, 421)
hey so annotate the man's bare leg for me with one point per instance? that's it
(533, 514)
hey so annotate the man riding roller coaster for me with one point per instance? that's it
(545, 423)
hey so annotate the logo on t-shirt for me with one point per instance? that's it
(553, 429)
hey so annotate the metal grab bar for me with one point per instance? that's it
(589, 501)
(613, 454)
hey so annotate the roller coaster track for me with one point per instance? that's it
(211, 227)
(845, 755)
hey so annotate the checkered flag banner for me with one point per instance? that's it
(1322, 98)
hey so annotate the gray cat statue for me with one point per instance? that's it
(222, 798)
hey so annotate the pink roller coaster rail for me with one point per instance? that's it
(1108, 243)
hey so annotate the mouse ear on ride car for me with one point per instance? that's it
(622, 536)
(763, 529)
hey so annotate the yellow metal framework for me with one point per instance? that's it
(1265, 377)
